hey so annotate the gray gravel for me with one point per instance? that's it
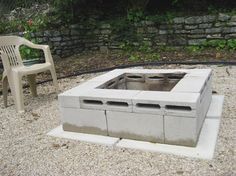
(25, 149)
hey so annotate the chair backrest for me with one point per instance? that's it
(10, 45)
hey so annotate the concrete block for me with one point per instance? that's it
(180, 130)
(70, 98)
(168, 98)
(108, 99)
(108, 76)
(206, 143)
(199, 72)
(205, 102)
(135, 81)
(146, 127)
(189, 84)
(84, 121)
(152, 71)
(194, 81)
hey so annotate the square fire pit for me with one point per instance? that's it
(164, 106)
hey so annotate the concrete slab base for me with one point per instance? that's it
(97, 139)
(204, 149)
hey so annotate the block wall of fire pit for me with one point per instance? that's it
(165, 106)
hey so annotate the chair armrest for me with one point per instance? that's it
(5, 61)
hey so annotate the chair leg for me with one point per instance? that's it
(54, 78)
(5, 90)
(32, 83)
(17, 92)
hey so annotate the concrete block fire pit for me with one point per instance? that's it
(164, 106)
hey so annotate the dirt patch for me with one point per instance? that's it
(97, 60)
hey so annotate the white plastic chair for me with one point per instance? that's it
(14, 68)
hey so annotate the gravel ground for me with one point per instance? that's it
(25, 149)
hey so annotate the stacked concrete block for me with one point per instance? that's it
(84, 121)
(145, 127)
(108, 105)
(198, 81)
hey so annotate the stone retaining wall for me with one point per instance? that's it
(181, 31)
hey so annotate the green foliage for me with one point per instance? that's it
(134, 57)
(34, 24)
(140, 52)
(163, 18)
(216, 43)
(26, 52)
(194, 49)
(135, 15)
(153, 57)
(221, 44)
(231, 44)
(145, 47)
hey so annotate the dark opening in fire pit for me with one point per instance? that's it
(149, 82)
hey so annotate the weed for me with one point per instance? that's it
(135, 15)
(231, 44)
(152, 57)
(134, 57)
(218, 44)
(193, 49)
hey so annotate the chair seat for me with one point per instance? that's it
(36, 68)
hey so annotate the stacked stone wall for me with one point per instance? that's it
(181, 31)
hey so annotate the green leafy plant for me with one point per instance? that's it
(218, 44)
(194, 49)
(28, 53)
(153, 57)
(167, 17)
(135, 15)
(145, 47)
(134, 57)
(231, 44)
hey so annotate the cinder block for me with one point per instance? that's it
(189, 84)
(146, 127)
(153, 71)
(194, 82)
(108, 99)
(204, 73)
(184, 104)
(70, 98)
(180, 130)
(204, 106)
(84, 121)
(107, 77)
